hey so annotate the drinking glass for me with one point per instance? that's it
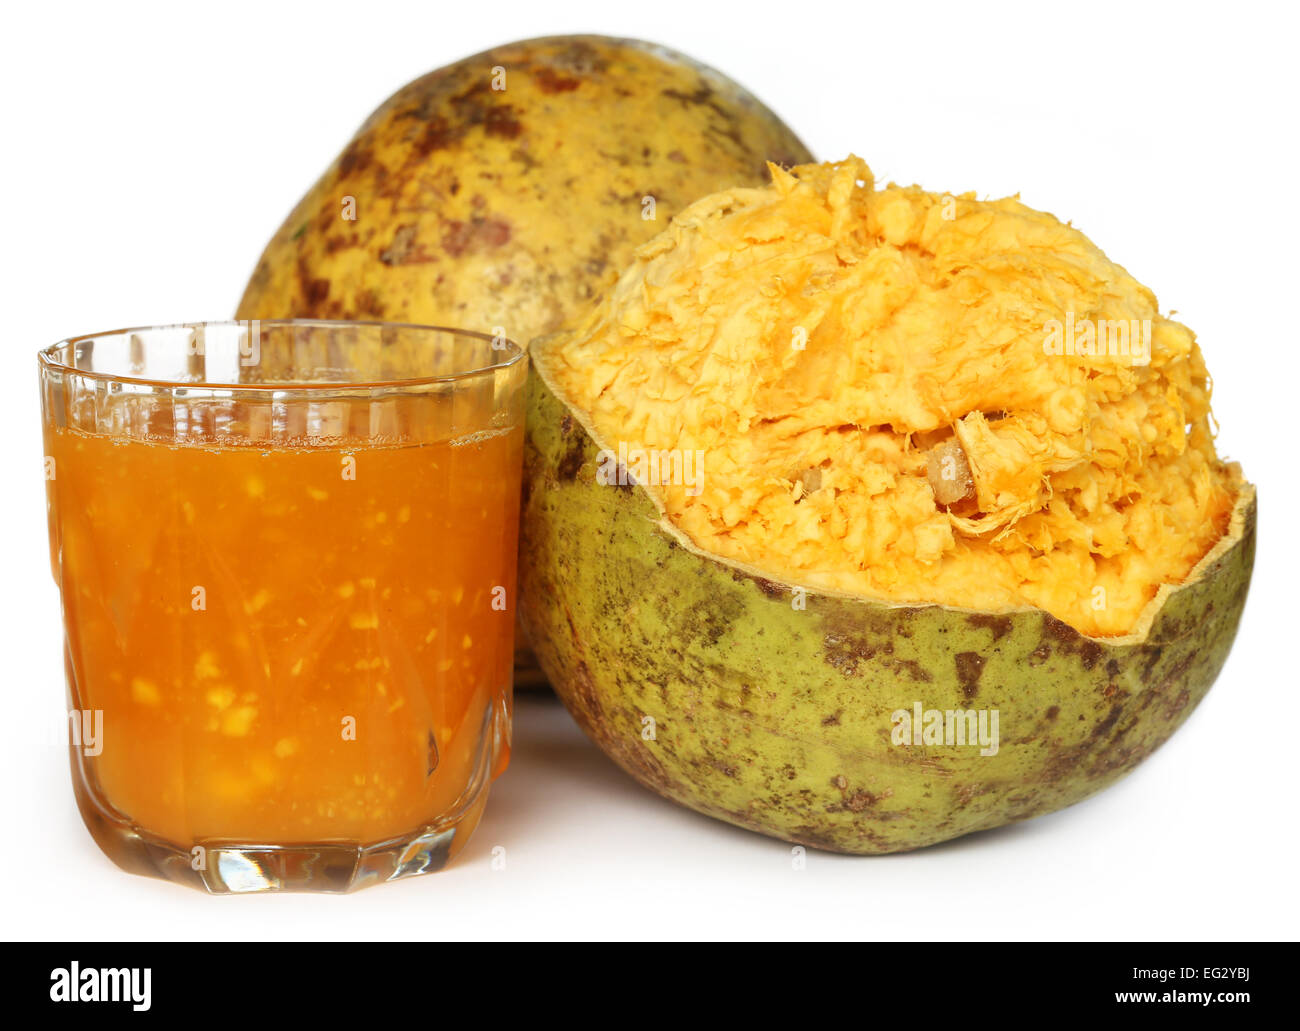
(286, 558)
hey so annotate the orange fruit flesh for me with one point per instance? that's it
(801, 358)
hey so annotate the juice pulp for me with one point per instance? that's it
(282, 652)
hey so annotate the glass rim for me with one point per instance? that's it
(49, 360)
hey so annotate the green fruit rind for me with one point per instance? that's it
(705, 681)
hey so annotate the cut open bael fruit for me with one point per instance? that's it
(867, 518)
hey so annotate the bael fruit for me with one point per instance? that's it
(512, 207)
(505, 190)
(830, 460)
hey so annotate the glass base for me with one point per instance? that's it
(232, 868)
(224, 867)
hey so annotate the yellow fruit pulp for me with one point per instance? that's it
(814, 341)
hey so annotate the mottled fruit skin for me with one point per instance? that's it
(480, 207)
(779, 720)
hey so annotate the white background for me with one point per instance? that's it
(149, 152)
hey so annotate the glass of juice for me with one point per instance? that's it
(286, 557)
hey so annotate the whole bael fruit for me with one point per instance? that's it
(502, 193)
(508, 188)
(867, 518)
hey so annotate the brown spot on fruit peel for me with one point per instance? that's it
(475, 235)
(970, 665)
(401, 247)
(582, 56)
(550, 81)
(1103, 728)
(1000, 626)
(1070, 641)
(501, 122)
(436, 134)
(354, 159)
(702, 94)
(316, 292)
(567, 469)
(844, 654)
